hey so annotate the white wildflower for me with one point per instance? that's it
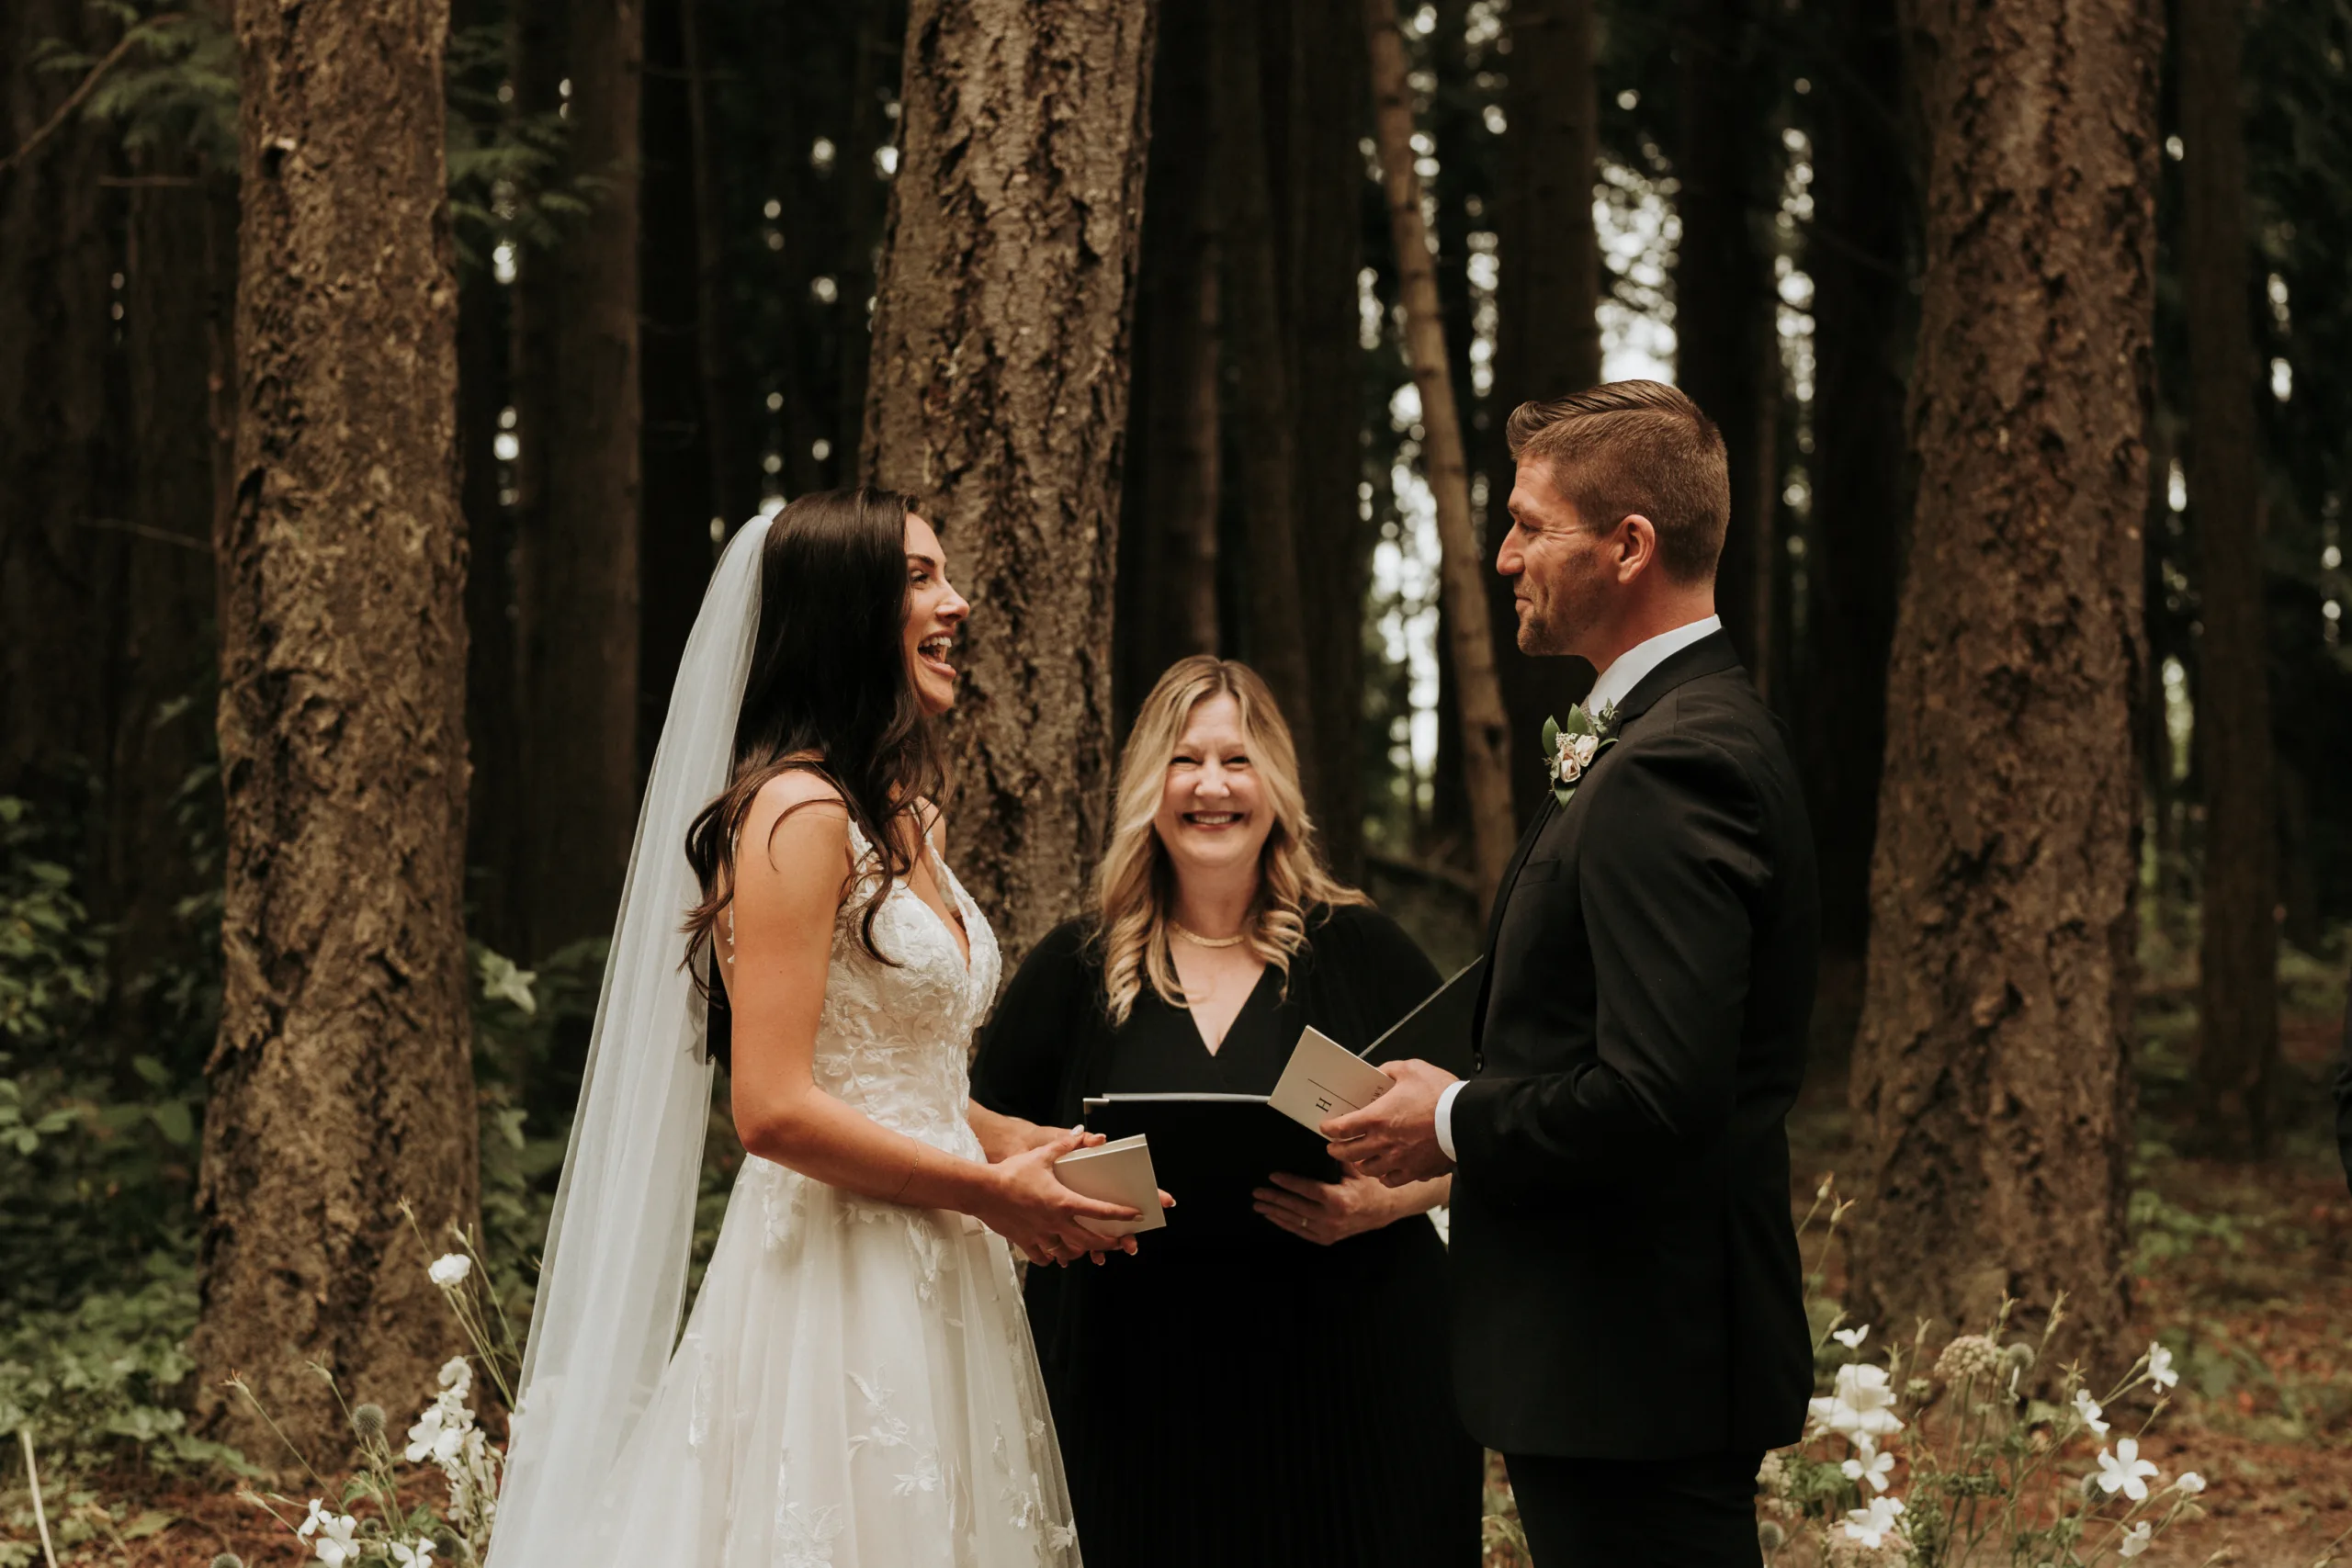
(2190, 1484)
(2124, 1471)
(2135, 1540)
(416, 1555)
(1874, 1525)
(336, 1544)
(318, 1514)
(2160, 1372)
(1851, 1338)
(1861, 1404)
(449, 1270)
(1870, 1467)
(458, 1377)
(439, 1433)
(2087, 1408)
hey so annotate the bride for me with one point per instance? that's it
(855, 1387)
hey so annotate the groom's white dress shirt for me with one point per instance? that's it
(1615, 684)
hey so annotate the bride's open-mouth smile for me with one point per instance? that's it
(933, 652)
(1213, 821)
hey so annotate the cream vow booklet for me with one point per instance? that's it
(1115, 1172)
(1325, 1079)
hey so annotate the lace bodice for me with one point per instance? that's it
(895, 1039)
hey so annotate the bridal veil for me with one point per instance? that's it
(612, 1283)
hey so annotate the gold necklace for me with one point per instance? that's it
(1234, 941)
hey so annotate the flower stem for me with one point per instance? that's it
(32, 1478)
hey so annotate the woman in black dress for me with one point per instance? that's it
(1278, 1399)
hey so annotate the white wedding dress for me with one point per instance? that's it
(856, 1387)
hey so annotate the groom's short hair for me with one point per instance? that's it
(1629, 447)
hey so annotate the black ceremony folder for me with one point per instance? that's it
(1437, 1032)
(1210, 1151)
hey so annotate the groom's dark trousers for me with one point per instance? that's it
(1629, 1318)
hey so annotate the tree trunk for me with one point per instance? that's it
(1264, 383)
(1726, 347)
(1857, 256)
(678, 507)
(863, 215)
(1989, 1083)
(1003, 404)
(1470, 637)
(61, 509)
(1547, 300)
(342, 1079)
(494, 829)
(732, 492)
(577, 551)
(1167, 586)
(2237, 1052)
(1327, 111)
(179, 270)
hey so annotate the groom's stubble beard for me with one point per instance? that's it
(1566, 605)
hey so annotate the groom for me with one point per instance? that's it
(1629, 1323)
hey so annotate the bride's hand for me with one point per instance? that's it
(1026, 1204)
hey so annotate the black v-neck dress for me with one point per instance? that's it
(1232, 1404)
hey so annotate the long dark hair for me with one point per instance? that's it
(829, 693)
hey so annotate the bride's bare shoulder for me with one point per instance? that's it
(799, 815)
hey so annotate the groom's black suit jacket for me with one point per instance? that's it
(1627, 1283)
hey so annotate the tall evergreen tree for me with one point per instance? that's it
(1548, 341)
(1989, 1079)
(1002, 405)
(342, 1080)
(1727, 350)
(578, 514)
(2237, 1053)
(1858, 252)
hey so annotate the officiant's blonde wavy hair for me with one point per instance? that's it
(1136, 886)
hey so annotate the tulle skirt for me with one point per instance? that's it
(857, 1388)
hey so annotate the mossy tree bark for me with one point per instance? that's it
(1989, 1084)
(997, 394)
(341, 1082)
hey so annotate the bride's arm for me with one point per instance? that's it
(1001, 1137)
(793, 871)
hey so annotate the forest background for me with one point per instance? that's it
(377, 387)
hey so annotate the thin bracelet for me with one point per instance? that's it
(910, 1181)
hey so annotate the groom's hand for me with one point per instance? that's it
(1394, 1137)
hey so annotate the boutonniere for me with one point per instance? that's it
(1570, 749)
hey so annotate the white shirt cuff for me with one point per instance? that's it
(1445, 1121)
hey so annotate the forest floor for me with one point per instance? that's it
(2243, 1270)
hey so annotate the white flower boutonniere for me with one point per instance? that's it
(1570, 749)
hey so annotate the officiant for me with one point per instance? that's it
(1273, 1393)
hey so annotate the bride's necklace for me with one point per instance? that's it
(1234, 941)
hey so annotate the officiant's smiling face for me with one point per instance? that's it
(935, 611)
(1214, 816)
